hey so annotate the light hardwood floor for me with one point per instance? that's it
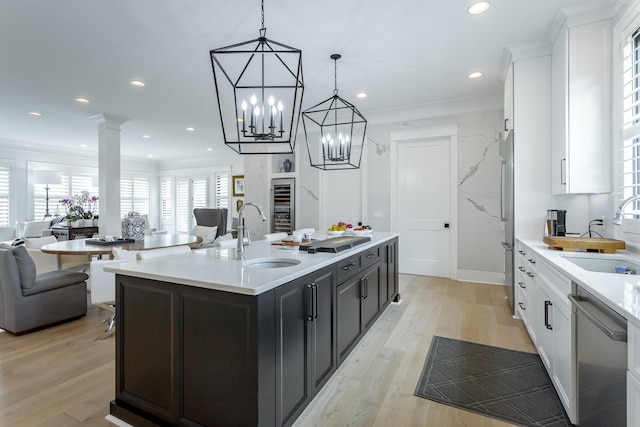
(63, 377)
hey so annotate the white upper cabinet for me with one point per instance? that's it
(581, 119)
(508, 99)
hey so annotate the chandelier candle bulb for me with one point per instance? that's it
(244, 110)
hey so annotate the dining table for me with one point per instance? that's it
(98, 247)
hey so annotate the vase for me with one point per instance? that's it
(87, 222)
(287, 165)
(95, 222)
(133, 226)
(77, 223)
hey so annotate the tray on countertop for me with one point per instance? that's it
(104, 242)
(570, 244)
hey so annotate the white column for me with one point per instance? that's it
(109, 173)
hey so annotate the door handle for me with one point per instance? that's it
(577, 301)
(362, 291)
(547, 304)
(310, 302)
(503, 164)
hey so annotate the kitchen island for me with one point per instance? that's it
(204, 339)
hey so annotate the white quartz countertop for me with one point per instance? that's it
(218, 269)
(621, 292)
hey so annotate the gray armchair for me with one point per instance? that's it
(29, 302)
(211, 217)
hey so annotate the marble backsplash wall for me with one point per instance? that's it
(480, 231)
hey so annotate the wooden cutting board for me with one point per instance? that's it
(570, 244)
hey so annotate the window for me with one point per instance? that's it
(166, 203)
(5, 186)
(134, 195)
(190, 193)
(631, 122)
(72, 184)
(222, 190)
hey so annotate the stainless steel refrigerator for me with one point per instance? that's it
(507, 211)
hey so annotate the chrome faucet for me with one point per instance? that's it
(617, 218)
(242, 231)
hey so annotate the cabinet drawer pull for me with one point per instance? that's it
(371, 255)
(546, 314)
(531, 260)
(521, 306)
(530, 274)
(521, 252)
(521, 268)
(522, 285)
(350, 266)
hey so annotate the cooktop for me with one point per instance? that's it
(335, 244)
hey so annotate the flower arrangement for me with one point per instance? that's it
(80, 206)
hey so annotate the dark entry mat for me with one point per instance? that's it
(509, 385)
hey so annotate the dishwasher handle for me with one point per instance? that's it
(615, 335)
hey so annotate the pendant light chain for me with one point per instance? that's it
(335, 76)
(335, 58)
(263, 30)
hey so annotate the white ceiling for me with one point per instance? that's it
(402, 53)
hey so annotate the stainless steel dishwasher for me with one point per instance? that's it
(601, 361)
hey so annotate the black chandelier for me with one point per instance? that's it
(334, 130)
(259, 88)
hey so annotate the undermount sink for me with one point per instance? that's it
(271, 262)
(604, 264)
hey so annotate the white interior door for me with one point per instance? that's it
(424, 206)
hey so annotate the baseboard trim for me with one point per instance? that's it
(481, 277)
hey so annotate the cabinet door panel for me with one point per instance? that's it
(563, 361)
(323, 331)
(146, 354)
(371, 301)
(546, 340)
(219, 353)
(348, 315)
(291, 338)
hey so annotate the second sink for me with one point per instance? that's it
(603, 264)
(271, 262)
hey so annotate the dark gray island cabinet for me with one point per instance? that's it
(191, 356)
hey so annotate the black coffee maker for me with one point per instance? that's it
(556, 222)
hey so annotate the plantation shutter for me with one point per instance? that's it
(631, 122)
(222, 190)
(5, 186)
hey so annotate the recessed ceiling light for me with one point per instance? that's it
(209, 149)
(475, 75)
(150, 156)
(137, 83)
(83, 145)
(34, 113)
(361, 95)
(478, 7)
(146, 136)
(82, 100)
(190, 129)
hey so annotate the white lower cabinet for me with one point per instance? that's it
(526, 289)
(633, 375)
(548, 322)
